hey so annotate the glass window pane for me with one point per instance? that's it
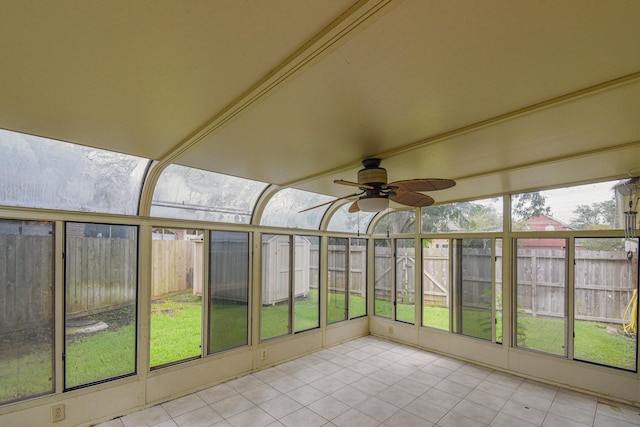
(405, 280)
(541, 315)
(185, 193)
(283, 210)
(383, 277)
(100, 302)
(435, 283)
(176, 295)
(343, 220)
(337, 279)
(396, 222)
(357, 278)
(474, 216)
(307, 280)
(228, 290)
(591, 206)
(43, 173)
(26, 309)
(473, 295)
(276, 281)
(605, 301)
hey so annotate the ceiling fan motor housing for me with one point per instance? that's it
(372, 174)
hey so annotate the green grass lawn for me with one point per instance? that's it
(229, 325)
(307, 312)
(592, 342)
(105, 354)
(436, 317)
(404, 312)
(275, 318)
(100, 356)
(25, 375)
(542, 334)
(181, 316)
(178, 315)
(336, 307)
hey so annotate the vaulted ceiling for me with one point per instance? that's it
(499, 95)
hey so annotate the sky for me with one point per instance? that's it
(563, 201)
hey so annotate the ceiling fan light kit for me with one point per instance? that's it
(373, 204)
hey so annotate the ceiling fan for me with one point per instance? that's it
(376, 192)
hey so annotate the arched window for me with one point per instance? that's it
(43, 173)
(188, 193)
(283, 210)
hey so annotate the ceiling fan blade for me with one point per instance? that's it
(423, 184)
(411, 198)
(353, 184)
(354, 207)
(330, 201)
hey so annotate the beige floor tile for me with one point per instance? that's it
(373, 382)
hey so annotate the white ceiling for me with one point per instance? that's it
(502, 95)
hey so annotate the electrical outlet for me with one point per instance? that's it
(390, 329)
(57, 413)
(263, 354)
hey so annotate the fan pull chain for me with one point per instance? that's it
(388, 222)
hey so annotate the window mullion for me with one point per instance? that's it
(292, 279)
(493, 290)
(569, 303)
(347, 279)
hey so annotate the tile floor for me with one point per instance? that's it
(374, 382)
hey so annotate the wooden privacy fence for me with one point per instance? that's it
(101, 275)
(475, 271)
(337, 261)
(383, 272)
(604, 282)
(26, 281)
(405, 265)
(176, 266)
(435, 272)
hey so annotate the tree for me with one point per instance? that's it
(396, 222)
(596, 214)
(485, 218)
(468, 216)
(444, 217)
(604, 244)
(529, 205)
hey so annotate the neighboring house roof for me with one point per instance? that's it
(546, 223)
